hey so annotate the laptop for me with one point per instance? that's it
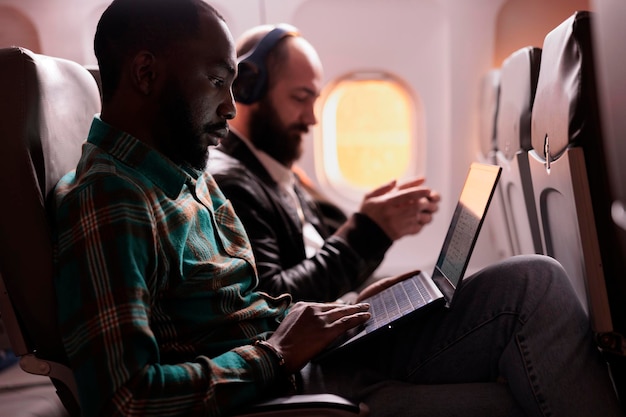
(422, 290)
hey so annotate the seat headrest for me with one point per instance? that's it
(565, 112)
(94, 70)
(489, 99)
(46, 98)
(45, 113)
(518, 84)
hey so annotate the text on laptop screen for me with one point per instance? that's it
(467, 217)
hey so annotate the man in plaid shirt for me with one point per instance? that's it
(156, 278)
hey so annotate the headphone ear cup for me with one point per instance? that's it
(251, 82)
(246, 86)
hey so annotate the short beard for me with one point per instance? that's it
(267, 134)
(183, 143)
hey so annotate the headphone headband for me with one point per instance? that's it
(251, 82)
(266, 44)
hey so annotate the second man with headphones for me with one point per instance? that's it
(299, 249)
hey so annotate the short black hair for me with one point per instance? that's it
(128, 26)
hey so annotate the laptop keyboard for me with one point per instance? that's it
(395, 301)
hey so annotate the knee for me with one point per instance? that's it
(540, 270)
(543, 279)
(536, 268)
(532, 278)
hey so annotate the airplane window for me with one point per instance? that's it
(367, 126)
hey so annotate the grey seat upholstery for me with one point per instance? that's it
(44, 117)
(496, 222)
(46, 109)
(571, 186)
(518, 82)
(610, 31)
(489, 104)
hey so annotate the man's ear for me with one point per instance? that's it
(144, 72)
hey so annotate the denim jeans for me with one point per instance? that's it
(515, 341)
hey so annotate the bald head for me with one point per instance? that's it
(277, 121)
(273, 61)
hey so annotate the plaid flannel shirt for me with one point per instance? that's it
(155, 285)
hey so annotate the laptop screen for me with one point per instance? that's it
(421, 290)
(466, 221)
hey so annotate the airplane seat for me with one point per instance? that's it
(496, 222)
(571, 186)
(489, 96)
(46, 107)
(94, 70)
(609, 32)
(45, 113)
(518, 82)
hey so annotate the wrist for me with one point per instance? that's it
(280, 360)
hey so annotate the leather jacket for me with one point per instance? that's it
(348, 256)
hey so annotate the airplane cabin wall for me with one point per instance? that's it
(440, 49)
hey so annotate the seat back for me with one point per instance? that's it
(518, 83)
(489, 104)
(571, 184)
(45, 113)
(94, 70)
(609, 33)
(568, 162)
(496, 222)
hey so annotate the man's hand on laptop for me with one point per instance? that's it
(382, 284)
(310, 327)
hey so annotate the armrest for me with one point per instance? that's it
(326, 405)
